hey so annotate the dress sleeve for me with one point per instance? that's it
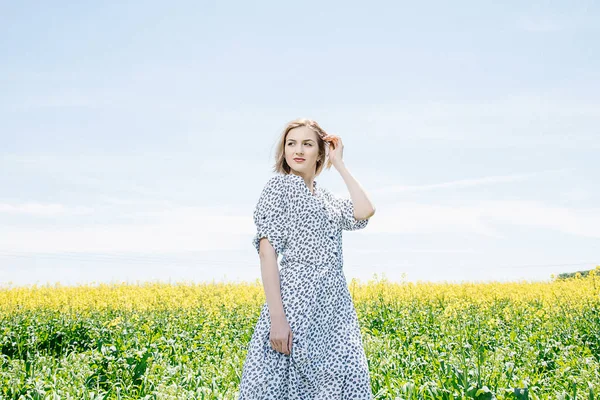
(270, 215)
(348, 221)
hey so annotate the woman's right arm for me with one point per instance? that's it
(270, 217)
(281, 333)
(270, 277)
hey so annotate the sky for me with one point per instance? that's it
(135, 137)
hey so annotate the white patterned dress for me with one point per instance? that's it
(327, 359)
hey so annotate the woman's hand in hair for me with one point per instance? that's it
(336, 149)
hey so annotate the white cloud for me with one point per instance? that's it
(44, 210)
(580, 222)
(396, 250)
(540, 24)
(485, 218)
(518, 120)
(457, 183)
(227, 228)
(407, 217)
(177, 229)
(518, 105)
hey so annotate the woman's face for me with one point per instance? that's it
(301, 142)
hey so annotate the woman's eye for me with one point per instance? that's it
(291, 143)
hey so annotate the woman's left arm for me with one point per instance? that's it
(363, 208)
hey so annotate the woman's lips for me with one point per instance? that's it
(299, 159)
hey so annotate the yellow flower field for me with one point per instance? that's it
(188, 341)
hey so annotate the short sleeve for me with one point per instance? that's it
(349, 222)
(270, 215)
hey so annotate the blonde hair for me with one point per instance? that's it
(281, 166)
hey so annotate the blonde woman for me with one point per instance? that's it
(306, 343)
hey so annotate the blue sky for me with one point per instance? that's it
(136, 136)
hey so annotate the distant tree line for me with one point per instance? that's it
(568, 275)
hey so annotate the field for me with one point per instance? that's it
(184, 340)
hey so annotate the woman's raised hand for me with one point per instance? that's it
(336, 149)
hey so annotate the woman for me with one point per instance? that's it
(307, 342)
